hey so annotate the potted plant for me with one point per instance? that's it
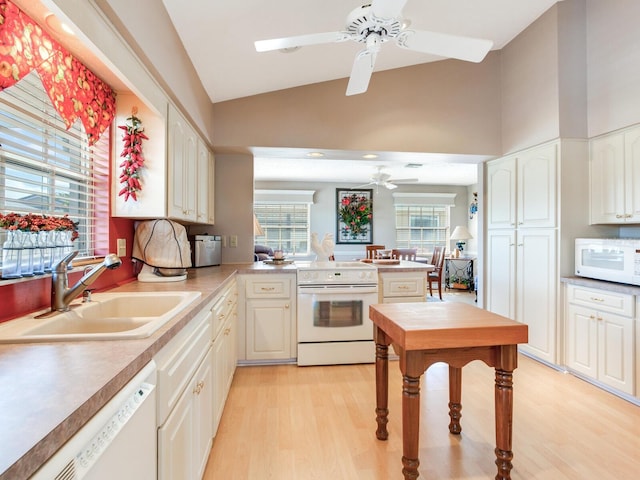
(459, 283)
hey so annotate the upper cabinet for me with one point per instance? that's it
(178, 174)
(522, 189)
(182, 167)
(615, 177)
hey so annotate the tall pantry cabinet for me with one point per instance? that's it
(537, 202)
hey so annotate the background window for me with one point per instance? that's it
(47, 169)
(422, 226)
(285, 226)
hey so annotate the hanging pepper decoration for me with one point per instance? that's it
(133, 157)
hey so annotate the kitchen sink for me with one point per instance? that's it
(109, 316)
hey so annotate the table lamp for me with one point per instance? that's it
(460, 234)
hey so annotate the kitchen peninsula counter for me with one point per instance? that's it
(48, 391)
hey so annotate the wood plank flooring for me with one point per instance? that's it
(287, 422)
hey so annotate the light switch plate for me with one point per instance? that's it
(233, 240)
(122, 247)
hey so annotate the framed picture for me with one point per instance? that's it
(355, 216)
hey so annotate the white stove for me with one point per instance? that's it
(333, 312)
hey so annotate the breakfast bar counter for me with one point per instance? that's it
(455, 333)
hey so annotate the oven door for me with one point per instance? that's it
(334, 313)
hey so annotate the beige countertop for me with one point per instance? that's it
(602, 285)
(48, 391)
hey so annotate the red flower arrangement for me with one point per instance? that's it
(133, 157)
(355, 213)
(37, 223)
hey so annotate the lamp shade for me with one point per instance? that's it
(257, 228)
(461, 233)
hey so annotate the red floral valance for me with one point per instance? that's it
(74, 90)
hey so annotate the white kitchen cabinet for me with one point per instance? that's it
(211, 211)
(269, 317)
(185, 396)
(521, 189)
(501, 272)
(523, 257)
(202, 183)
(522, 284)
(615, 177)
(395, 287)
(600, 336)
(224, 348)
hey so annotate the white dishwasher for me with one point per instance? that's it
(119, 442)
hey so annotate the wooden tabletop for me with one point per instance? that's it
(426, 325)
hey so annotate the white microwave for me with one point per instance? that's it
(611, 259)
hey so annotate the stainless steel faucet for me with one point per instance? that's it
(61, 295)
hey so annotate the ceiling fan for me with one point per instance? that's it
(384, 179)
(374, 24)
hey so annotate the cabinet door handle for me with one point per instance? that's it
(619, 216)
(286, 305)
(198, 388)
(521, 244)
(227, 331)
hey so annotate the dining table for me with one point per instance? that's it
(424, 333)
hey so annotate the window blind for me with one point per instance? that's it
(285, 226)
(49, 170)
(422, 226)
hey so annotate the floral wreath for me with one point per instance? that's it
(133, 157)
(355, 215)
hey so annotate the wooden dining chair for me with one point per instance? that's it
(404, 254)
(372, 249)
(437, 260)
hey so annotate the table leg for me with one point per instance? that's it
(455, 397)
(504, 419)
(382, 390)
(410, 426)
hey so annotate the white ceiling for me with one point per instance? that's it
(219, 34)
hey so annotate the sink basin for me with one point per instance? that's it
(109, 316)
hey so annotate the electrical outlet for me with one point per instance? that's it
(233, 241)
(122, 247)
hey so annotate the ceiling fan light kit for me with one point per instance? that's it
(374, 24)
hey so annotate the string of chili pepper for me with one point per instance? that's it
(133, 157)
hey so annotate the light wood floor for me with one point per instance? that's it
(287, 422)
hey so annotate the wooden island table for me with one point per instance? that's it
(455, 333)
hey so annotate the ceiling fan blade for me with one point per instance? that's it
(403, 180)
(361, 72)
(363, 185)
(445, 45)
(390, 186)
(300, 41)
(387, 8)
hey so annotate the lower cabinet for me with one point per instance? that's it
(396, 287)
(224, 366)
(184, 441)
(195, 370)
(269, 317)
(600, 336)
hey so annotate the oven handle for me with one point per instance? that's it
(361, 288)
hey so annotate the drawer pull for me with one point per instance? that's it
(596, 299)
(403, 287)
(198, 388)
(267, 289)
